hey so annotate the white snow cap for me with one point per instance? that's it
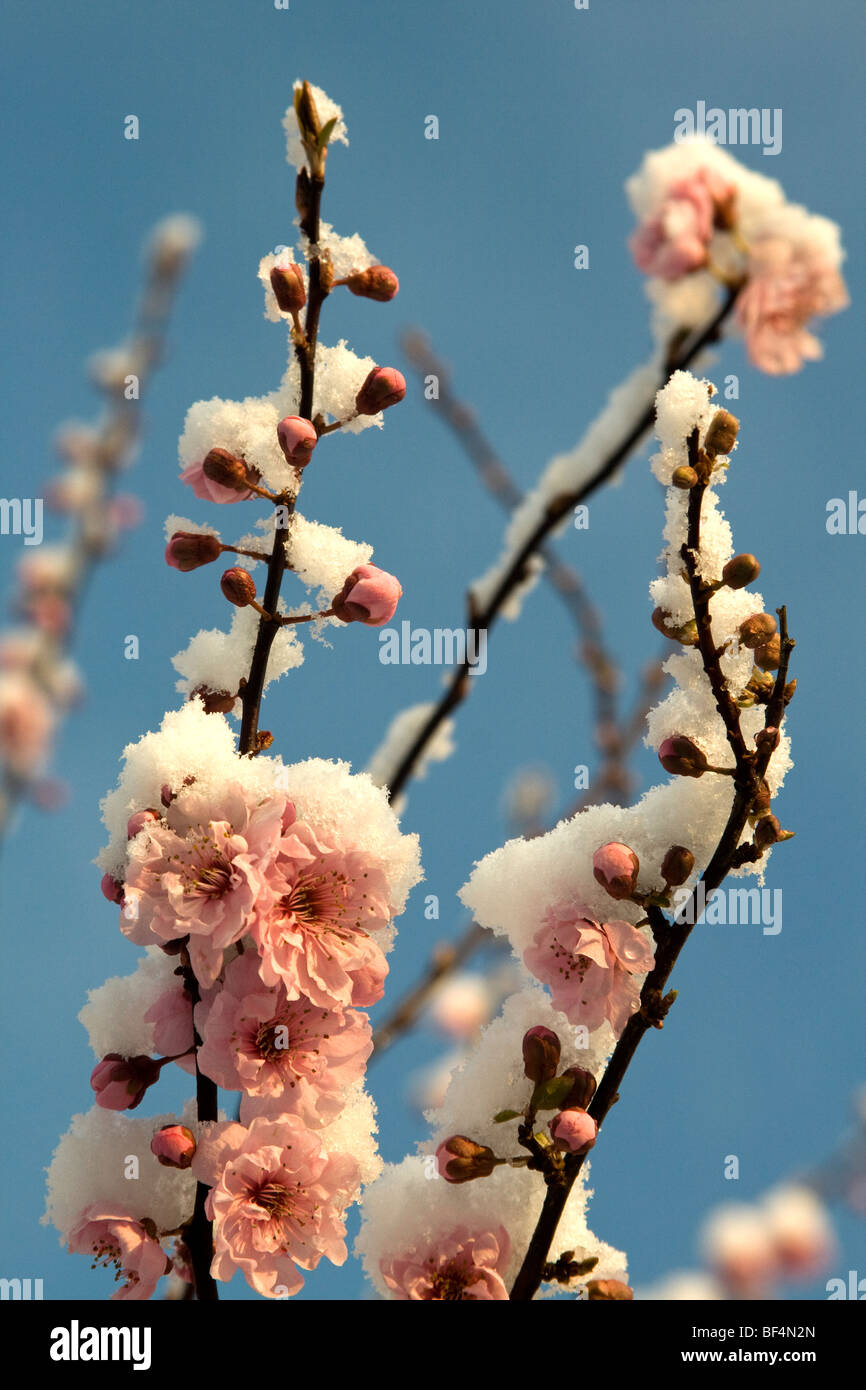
(326, 109)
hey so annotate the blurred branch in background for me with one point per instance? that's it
(38, 681)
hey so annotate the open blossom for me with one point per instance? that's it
(315, 938)
(113, 1237)
(589, 966)
(201, 873)
(171, 1019)
(789, 284)
(277, 1200)
(459, 1267)
(675, 239)
(291, 1056)
(208, 490)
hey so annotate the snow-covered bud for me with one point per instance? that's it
(120, 1082)
(298, 439)
(287, 283)
(757, 630)
(682, 757)
(383, 386)
(174, 1146)
(769, 655)
(112, 889)
(686, 633)
(214, 701)
(583, 1086)
(616, 868)
(573, 1131)
(376, 282)
(188, 550)
(684, 477)
(608, 1291)
(139, 819)
(221, 467)
(369, 595)
(238, 586)
(722, 433)
(740, 571)
(541, 1053)
(677, 865)
(460, 1159)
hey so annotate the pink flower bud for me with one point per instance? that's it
(376, 282)
(383, 387)
(541, 1052)
(679, 755)
(174, 1146)
(298, 439)
(757, 630)
(187, 550)
(677, 865)
(112, 889)
(223, 468)
(139, 820)
(287, 283)
(238, 586)
(608, 1291)
(615, 867)
(461, 1160)
(120, 1082)
(573, 1131)
(369, 595)
(583, 1085)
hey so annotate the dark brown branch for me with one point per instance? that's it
(447, 958)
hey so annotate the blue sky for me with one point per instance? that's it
(544, 111)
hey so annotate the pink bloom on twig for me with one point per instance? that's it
(209, 491)
(460, 1267)
(113, 1237)
(675, 240)
(788, 286)
(589, 966)
(277, 1201)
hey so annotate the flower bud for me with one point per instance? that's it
(684, 477)
(376, 282)
(369, 595)
(214, 701)
(120, 1082)
(298, 439)
(677, 865)
(757, 630)
(767, 739)
(139, 820)
(616, 867)
(762, 799)
(686, 633)
(770, 654)
(740, 571)
(461, 1160)
(681, 756)
(187, 550)
(287, 283)
(223, 468)
(174, 1146)
(608, 1290)
(573, 1131)
(722, 433)
(383, 386)
(769, 832)
(541, 1052)
(582, 1088)
(112, 889)
(238, 586)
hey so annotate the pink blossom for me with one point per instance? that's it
(120, 1082)
(202, 873)
(675, 240)
(26, 725)
(290, 1056)
(173, 1146)
(114, 1237)
(616, 868)
(589, 966)
(207, 489)
(170, 1018)
(573, 1131)
(315, 939)
(369, 595)
(788, 285)
(277, 1201)
(460, 1267)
